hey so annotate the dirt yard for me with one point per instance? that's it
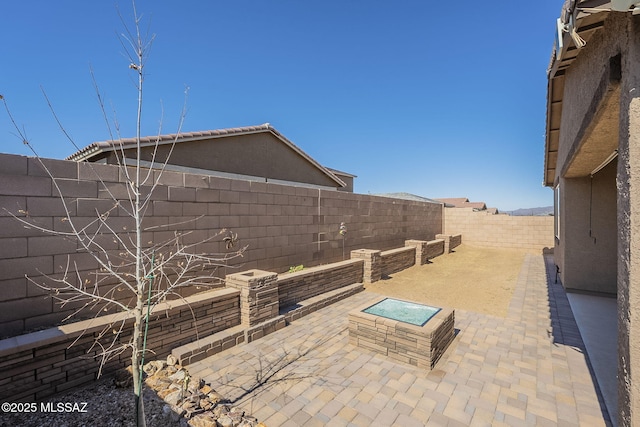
(471, 278)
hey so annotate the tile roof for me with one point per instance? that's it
(408, 196)
(97, 147)
(454, 200)
(462, 202)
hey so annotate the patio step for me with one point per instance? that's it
(208, 346)
(308, 306)
(223, 340)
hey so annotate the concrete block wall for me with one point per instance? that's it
(43, 363)
(282, 226)
(395, 260)
(484, 229)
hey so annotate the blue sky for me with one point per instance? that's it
(410, 96)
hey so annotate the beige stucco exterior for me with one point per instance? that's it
(593, 113)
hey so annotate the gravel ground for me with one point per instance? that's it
(106, 406)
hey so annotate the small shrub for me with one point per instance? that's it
(295, 268)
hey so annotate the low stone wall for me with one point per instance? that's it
(435, 248)
(307, 283)
(450, 241)
(395, 260)
(426, 250)
(43, 363)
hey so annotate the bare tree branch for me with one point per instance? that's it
(132, 276)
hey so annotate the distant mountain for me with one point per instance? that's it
(543, 211)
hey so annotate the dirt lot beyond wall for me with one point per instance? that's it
(471, 278)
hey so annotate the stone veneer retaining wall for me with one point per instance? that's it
(504, 231)
(43, 363)
(282, 225)
(450, 241)
(395, 260)
(300, 285)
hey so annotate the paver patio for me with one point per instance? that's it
(526, 369)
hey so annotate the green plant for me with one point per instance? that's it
(295, 268)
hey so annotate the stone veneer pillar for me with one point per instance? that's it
(259, 299)
(421, 250)
(372, 264)
(447, 242)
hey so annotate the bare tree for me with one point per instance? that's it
(140, 274)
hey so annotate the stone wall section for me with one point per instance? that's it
(426, 250)
(502, 231)
(395, 260)
(281, 226)
(372, 271)
(301, 285)
(258, 295)
(450, 241)
(43, 363)
(435, 248)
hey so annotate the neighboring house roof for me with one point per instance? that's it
(341, 173)
(454, 201)
(462, 202)
(408, 196)
(98, 148)
(579, 20)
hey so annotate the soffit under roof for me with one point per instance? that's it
(600, 139)
(589, 17)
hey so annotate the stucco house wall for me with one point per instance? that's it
(586, 251)
(590, 85)
(593, 115)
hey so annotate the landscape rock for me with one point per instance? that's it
(191, 401)
(203, 420)
(152, 367)
(178, 376)
(172, 360)
(174, 397)
(225, 421)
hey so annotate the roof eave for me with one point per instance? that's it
(589, 16)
